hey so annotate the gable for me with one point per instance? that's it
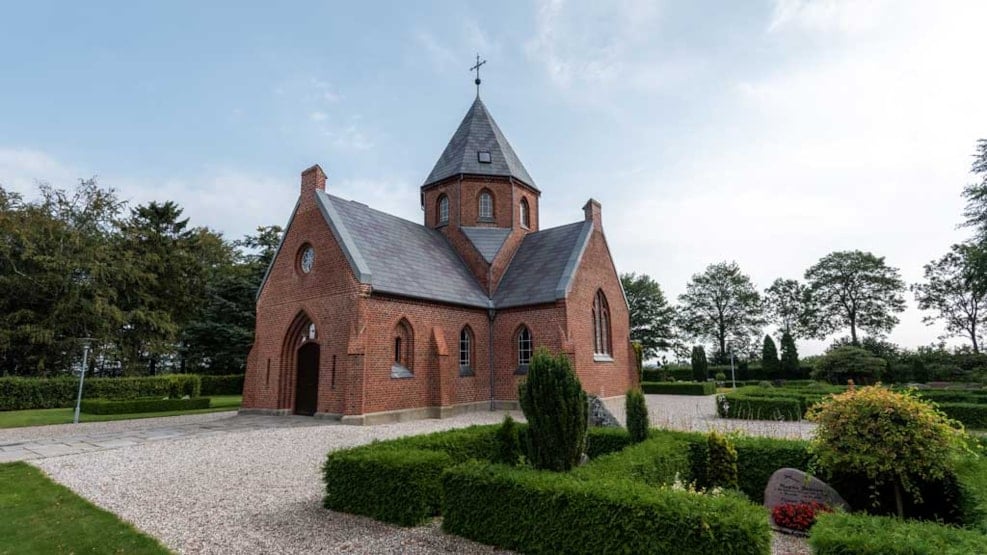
(544, 265)
(396, 256)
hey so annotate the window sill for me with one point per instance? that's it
(399, 372)
(487, 220)
(466, 372)
(602, 358)
(521, 370)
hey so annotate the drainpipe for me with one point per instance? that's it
(491, 314)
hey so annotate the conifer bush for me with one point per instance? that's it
(769, 359)
(721, 470)
(509, 450)
(637, 415)
(556, 408)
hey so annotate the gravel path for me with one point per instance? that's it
(260, 491)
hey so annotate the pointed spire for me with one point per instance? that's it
(478, 147)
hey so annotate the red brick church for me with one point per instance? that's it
(368, 317)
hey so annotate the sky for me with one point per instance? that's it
(767, 132)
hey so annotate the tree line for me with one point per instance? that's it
(149, 292)
(852, 292)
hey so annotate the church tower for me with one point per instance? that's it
(480, 196)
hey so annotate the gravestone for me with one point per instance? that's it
(600, 415)
(789, 485)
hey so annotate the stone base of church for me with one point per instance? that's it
(422, 413)
(265, 412)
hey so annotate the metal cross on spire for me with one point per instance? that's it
(477, 69)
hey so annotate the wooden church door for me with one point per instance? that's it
(307, 381)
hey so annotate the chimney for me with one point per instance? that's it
(594, 213)
(313, 179)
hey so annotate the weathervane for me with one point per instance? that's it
(477, 69)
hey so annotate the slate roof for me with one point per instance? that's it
(543, 266)
(397, 256)
(487, 240)
(478, 132)
(400, 257)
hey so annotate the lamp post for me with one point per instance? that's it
(82, 377)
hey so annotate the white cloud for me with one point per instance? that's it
(864, 145)
(846, 16)
(318, 116)
(21, 169)
(594, 49)
(228, 200)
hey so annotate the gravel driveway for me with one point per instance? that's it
(260, 491)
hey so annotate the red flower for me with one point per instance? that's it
(798, 516)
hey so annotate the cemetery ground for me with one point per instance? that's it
(259, 489)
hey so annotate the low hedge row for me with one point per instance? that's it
(50, 393)
(843, 533)
(972, 415)
(947, 396)
(134, 406)
(544, 512)
(657, 461)
(351, 475)
(746, 407)
(678, 388)
(222, 385)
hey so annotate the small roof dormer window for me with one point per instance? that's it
(483, 156)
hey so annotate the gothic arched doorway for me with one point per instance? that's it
(307, 379)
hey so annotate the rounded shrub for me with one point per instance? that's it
(556, 408)
(637, 415)
(893, 438)
(849, 363)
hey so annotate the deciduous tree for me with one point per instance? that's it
(652, 318)
(788, 304)
(955, 293)
(855, 290)
(721, 304)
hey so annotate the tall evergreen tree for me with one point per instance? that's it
(790, 367)
(700, 367)
(769, 359)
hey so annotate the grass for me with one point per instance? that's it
(40, 516)
(44, 417)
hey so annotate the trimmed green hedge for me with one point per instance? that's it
(842, 534)
(394, 485)
(222, 385)
(351, 485)
(133, 406)
(656, 462)
(50, 393)
(972, 415)
(398, 481)
(737, 405)
(601, 441)
(545, 512)
(678, 388)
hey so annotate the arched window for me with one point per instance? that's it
(486, 205)
(404, 349)
(443, 210)
(524, 213)
(523, 347)
(466, 347)
(601, 325)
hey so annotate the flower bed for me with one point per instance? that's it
(798, 516)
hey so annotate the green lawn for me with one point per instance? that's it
(40, 516)
(44, 417)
